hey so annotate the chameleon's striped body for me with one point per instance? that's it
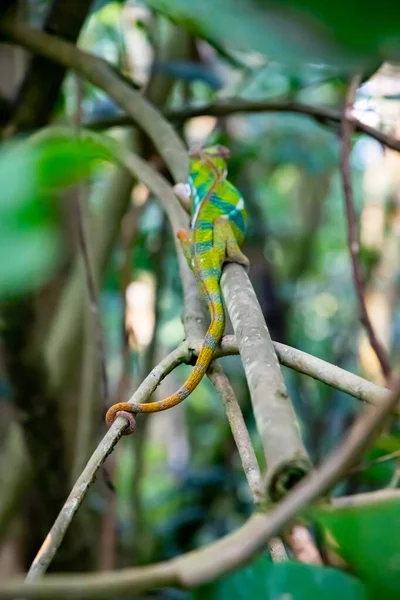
(218, 226)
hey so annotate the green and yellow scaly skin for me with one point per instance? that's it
(218, 227)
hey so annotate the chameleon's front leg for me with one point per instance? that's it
(226, 244)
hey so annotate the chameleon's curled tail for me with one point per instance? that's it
(211, 341)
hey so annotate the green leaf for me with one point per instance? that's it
(63, 161)
(366, 536)
(294, 31)
(267, 581)
(30, 173)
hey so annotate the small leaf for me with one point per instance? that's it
(30, 173)
(366, 536)
(295, 581)
(64, 161)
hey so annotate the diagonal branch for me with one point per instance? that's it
(102, 75)
(352, 229)
(245, 449)
(239, 431)
(286, 457)
(53, 540)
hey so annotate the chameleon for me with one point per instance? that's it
(217, 229)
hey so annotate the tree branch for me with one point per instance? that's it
(276, 420)
(352, 229)
(231, 106)
(160, 187)
(100, 74)
(78, 492)
(239, 431)
(244, 446)
(94, 307)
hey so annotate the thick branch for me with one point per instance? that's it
(352, 230)
(287, 462)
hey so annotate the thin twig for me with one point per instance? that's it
(205, 565)
(78, 492)
(231, 106)
(239, 431)
(334, 376)
(352, 228)
(245, 448)
(366, 499)
(376, 461)
(93, 300)
(92, 325)
(303, 546)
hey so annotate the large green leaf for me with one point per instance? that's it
(30, 173)
(263, 580)
(339, 33)
(367, 536)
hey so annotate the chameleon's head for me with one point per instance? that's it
(215, 156)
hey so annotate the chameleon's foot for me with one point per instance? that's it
(235, 255)
(225, 242)
(122, 409)
(183, 236)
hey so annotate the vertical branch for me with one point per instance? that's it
(286, 457)
(346, 129)
(108, 533)
(88, 267)
(158, 264)
(239, 431)
(93, 299)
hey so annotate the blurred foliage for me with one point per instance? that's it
(30, 176)
(263, 579)
(364, 536)
(293, 31)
